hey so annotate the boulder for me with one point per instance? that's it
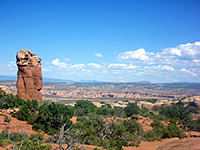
(29, 76)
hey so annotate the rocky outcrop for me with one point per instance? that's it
(29, 75)
(5, 89)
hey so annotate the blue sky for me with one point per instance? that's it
(104, 40)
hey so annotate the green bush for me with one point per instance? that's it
(151, 100)
(7, 119)
(119, 112)
(28, 112)
(86, 106)
(47, 117)
(22, 141)
(134, 144)
(133, 127)
(181, 113)
(9, 101)
(132, 109)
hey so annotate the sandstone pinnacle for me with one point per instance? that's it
(29, 76)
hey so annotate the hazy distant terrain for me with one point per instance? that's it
(61, 91)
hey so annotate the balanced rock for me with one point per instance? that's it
(29, 76)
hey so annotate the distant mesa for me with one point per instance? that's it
(29, 76)
(143, 82)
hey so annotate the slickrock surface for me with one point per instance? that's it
(184, 144)
(29, 76)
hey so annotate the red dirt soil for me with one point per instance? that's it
(16, 125)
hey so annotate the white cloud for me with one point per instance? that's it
(181, 55)
(78, 66)
(67, 59)
(165, 67)
(12, 64)
(187, 51)
(139, 54)
(98, 55)
(117, 66)
(93, 65)
(196, 61)
(45, 69)
(56, 62)
(190, 72)
(175, 63)
(184, 70)
(131, 66)
(121, 66)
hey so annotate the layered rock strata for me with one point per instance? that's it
(29, 76)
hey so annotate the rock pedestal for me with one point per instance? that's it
(29, 76)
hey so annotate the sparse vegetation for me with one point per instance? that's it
(9, 100)
(151, 100)
(183, 114)
(20, 140)
(7, 119)
(97, 125)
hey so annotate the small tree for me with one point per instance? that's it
(132, 109)
(7, 119)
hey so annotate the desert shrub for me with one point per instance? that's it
(51, 116)
(27, 144)
(132, 109)
(36, 138)
(107, 106)
(104, 111)
(151, 100)
(21, 141)
(18, 136)
(133, 144)
(86, 106)
(9, 100)
(193, 125)
(79, 112)
(81, 118)
(150, 136)
(28, 111)
(119, 112)
(119, 131)
(174, 131)
(111, 144)
(181, 113)
(47, 117)
(161, 132)
(4, 138)
(7, 119)
(133, 127)
(155, 108)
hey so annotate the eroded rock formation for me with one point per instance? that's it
(29, 75)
